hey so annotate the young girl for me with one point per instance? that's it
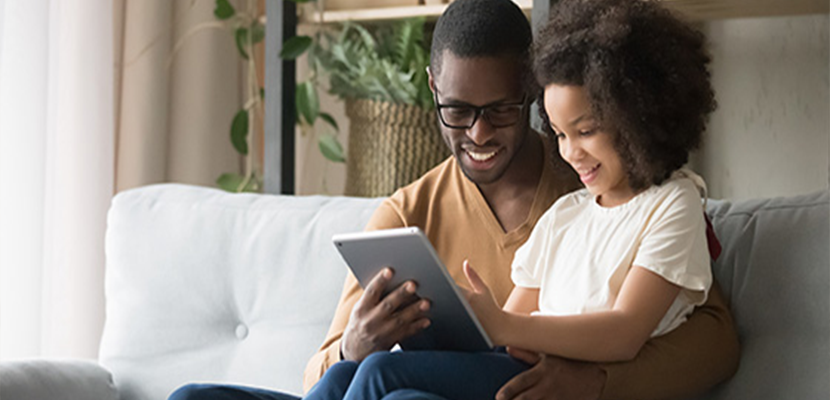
(626, 97)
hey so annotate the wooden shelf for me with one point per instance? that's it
(388, 13)
(722, 9)
(694, 9)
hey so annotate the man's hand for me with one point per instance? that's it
(377, 323)
(555, 378)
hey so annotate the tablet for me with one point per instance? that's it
(409, 253)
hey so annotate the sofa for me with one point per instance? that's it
(205, 286)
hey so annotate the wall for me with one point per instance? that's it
(769, 136)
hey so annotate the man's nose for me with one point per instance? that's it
(481, 132)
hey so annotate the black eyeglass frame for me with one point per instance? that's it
(479, 111)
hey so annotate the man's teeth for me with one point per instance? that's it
(481, 156)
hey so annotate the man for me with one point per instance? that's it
(481, 205)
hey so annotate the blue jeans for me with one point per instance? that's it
(418, 375)
(198, 391)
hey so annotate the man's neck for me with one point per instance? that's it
(511, 196)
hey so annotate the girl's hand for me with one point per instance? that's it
(487, 310)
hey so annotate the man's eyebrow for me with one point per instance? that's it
(450, 101)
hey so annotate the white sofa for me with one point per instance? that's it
(204, 286)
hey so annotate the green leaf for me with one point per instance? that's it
(330, 120)
(241, 36)
(258, 32)
(367, 38)
(223, 10)
(262, 93)
(294, 47)
(308, 104)
(254, 184)
(239, 132)
(407, 39)
(332, 149)
(229, 182)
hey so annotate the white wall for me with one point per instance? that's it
(769, 136)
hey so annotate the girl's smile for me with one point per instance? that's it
(588, 148)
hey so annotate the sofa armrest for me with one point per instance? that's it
(55, 380)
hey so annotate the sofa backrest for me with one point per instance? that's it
(775, 270)
(202, 285)
(205, 286)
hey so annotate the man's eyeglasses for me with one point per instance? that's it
(465, 116)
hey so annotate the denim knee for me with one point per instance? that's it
(380, 361)
(342, 370)
(411, 394)
(193, 391)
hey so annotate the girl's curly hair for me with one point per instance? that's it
(645, 74)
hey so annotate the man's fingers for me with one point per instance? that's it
(408, 321)
(374, 290)
(526, 356)
(518, 385)
(391, 304)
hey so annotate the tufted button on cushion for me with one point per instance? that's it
(241, 331)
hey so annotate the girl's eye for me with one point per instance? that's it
(587, 132)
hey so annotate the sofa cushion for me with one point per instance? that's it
(55, 380)
(775, 270)
(203, 285)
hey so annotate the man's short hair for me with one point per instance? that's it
(481, 28)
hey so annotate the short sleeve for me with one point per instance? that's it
(387, 215)
(674, 241)
(533, 256)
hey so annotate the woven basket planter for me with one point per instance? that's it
(390, 145)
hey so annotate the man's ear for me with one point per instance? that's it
(431, 80)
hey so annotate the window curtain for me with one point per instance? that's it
(97, 96)
(179, 87)
(56, 174)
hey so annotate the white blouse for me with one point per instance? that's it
(579, 253)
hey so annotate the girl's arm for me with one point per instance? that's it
(615, 335)
(522, 301)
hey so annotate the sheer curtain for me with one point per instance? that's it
(56, 174)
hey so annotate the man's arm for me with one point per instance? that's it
(329, 352)
(364, 322)
(700, 353)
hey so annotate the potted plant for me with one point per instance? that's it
(381, 76)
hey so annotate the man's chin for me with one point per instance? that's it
(481, 177)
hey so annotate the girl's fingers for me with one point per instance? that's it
(476, 283)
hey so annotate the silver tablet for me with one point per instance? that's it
(408, 252)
